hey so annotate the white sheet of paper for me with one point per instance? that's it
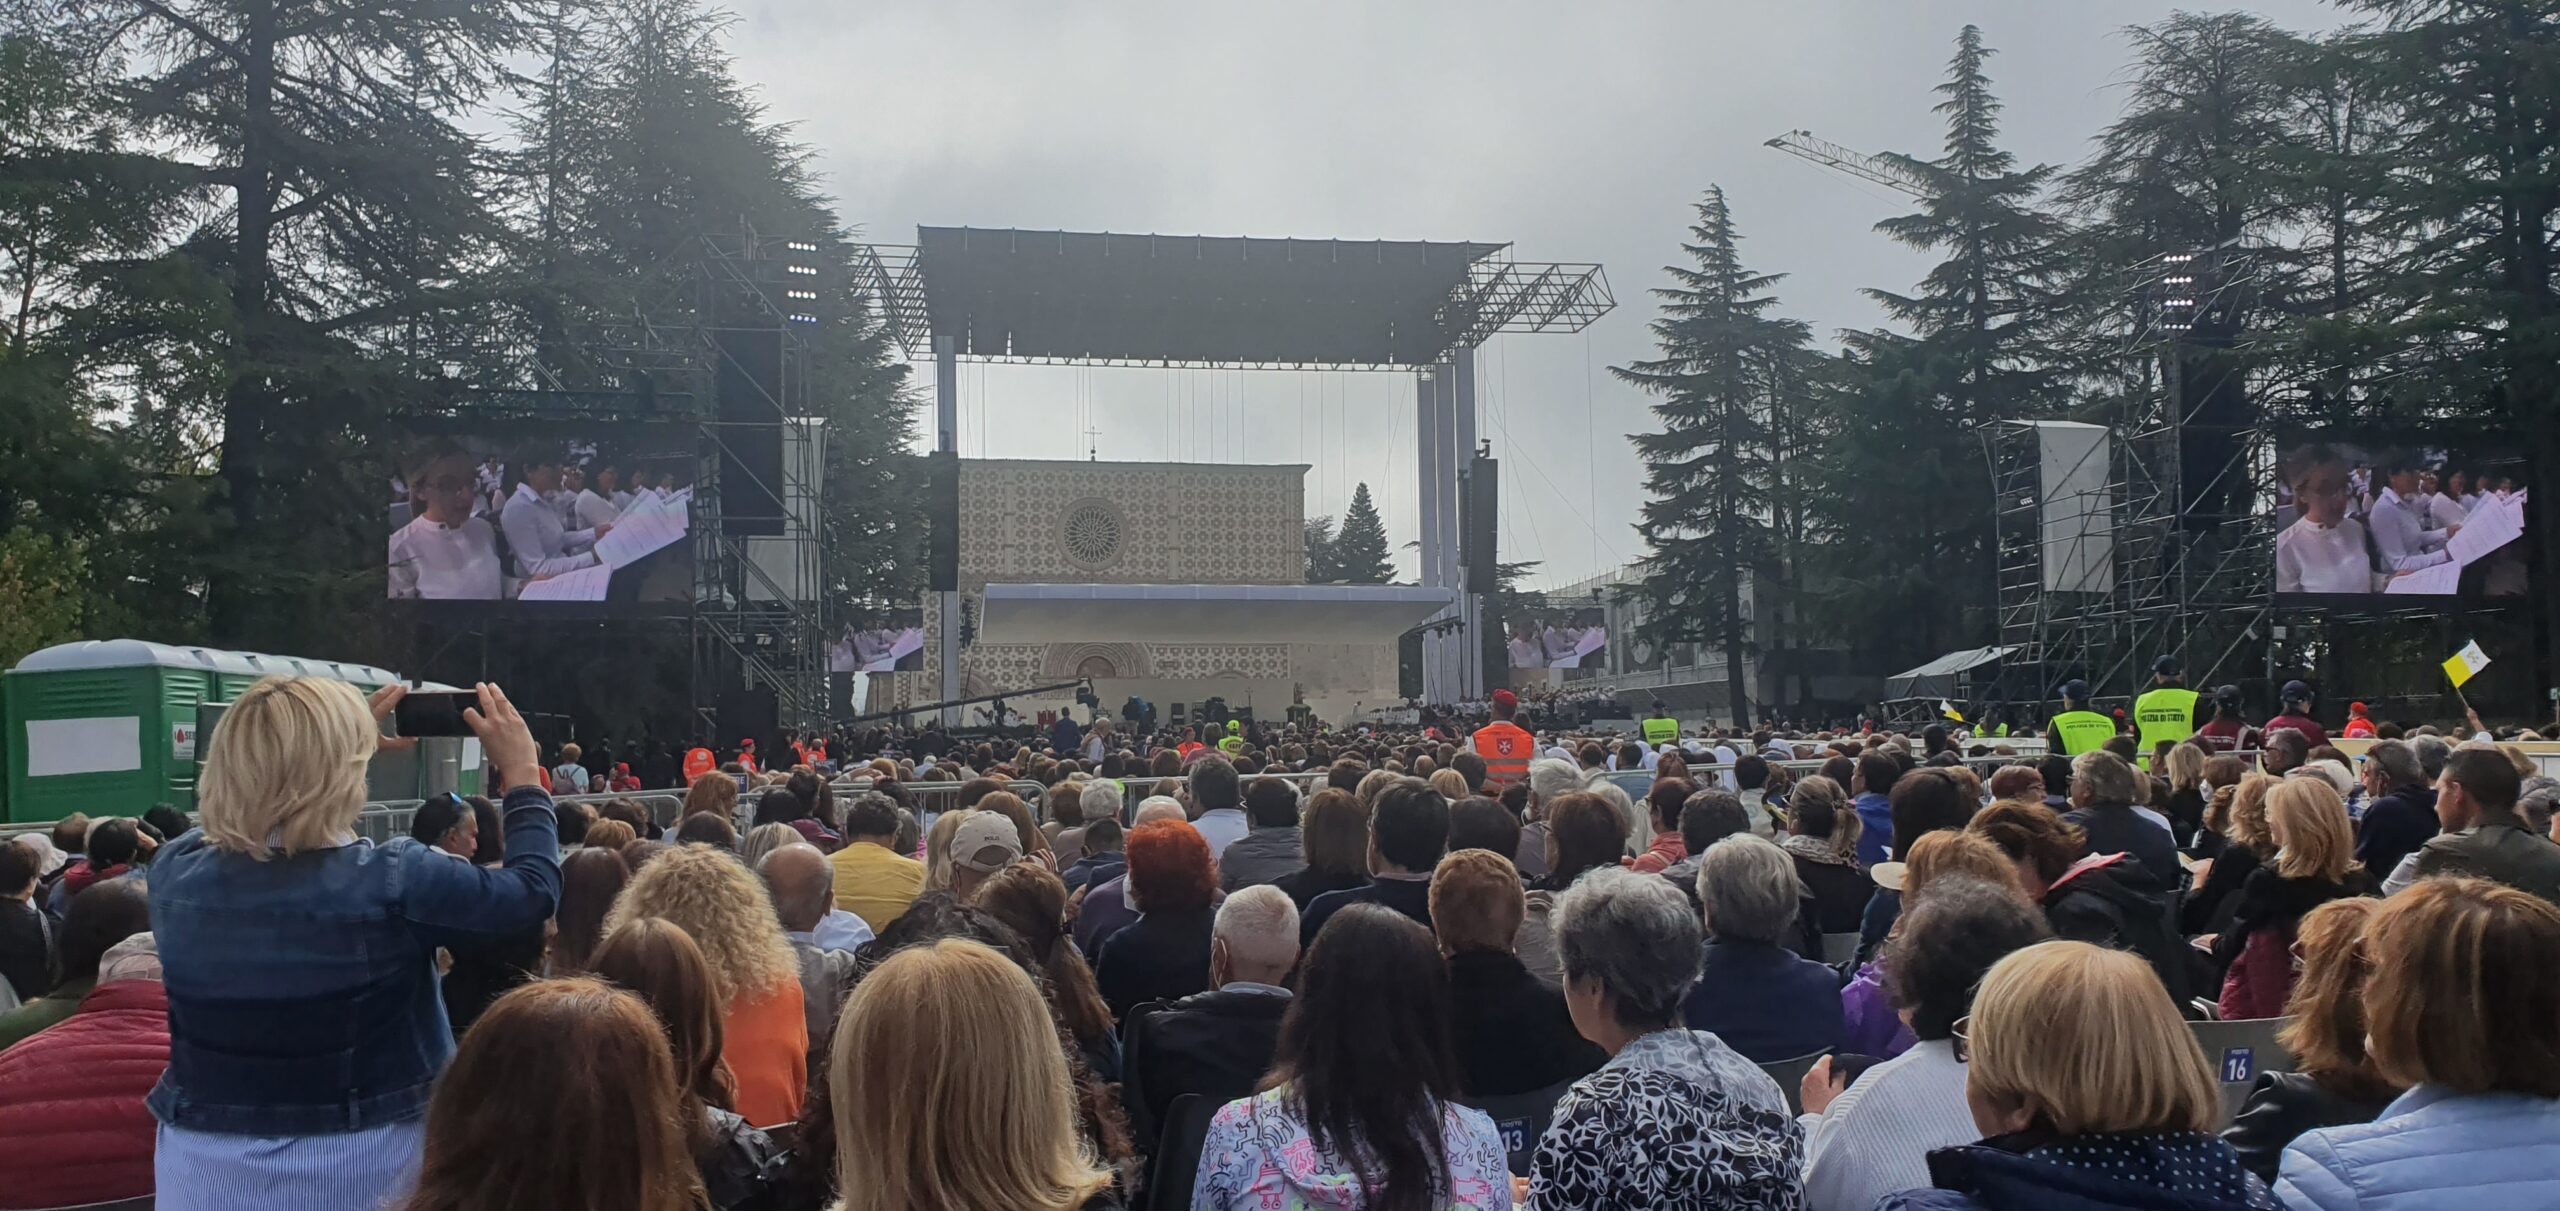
(585, 584)
(646, 526)
(2441, 580)
(2493, 525)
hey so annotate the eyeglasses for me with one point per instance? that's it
(1964, 1046)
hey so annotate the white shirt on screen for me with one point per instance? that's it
(2323, 559)
(621, 501)
(2444, 511)
(437, 562)
(2402, 537)
(594, 510)
(542, 546)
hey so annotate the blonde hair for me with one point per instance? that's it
(285, 769)
(937, 849)
(2463, 992)
(716, 899)
(951, 1091)
(1945, 852)
(1451, 784)
(2185, 766)
(2308, 822)
(2085, 1038)
(2247, 826)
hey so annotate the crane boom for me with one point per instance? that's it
(1803, 145)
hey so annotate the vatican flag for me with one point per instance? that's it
(1948, 709)
(2466, 664)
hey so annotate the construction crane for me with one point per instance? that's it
(1889, 173)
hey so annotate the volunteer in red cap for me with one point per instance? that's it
(2359, 725)
(1503, 745)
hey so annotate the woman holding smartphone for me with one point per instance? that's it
(305, 1028)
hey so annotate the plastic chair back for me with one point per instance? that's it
(1521, 1118)
(1177, 1159)
(1839, 948)
(2239, 1051)
(1790, 1077)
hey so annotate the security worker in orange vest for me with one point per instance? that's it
(1504, 745)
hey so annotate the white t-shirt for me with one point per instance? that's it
(436, 562)
(2323, 559)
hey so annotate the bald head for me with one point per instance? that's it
(802, 884)
(1161, 807)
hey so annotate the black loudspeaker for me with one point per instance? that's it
(1479, 510)
(942, 521)
(749, 389)
(750, 715)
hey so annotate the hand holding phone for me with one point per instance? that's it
(432, 713)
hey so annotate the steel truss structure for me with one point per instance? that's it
(759, 617)
(2190, 545)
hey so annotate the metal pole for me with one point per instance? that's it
(1426, 446)
(1469, 640)
(946, 416)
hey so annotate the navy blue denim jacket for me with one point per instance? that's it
(302, 990)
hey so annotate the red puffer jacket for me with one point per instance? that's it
(71, 1101)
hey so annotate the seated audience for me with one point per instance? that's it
(1476, 822)
(1822, 837)
(2089, 1092)
(1217, 799)
(1164, 954)
(764, 1024)
(2247, 845)
(949, 1091)
(1358, 1110)
(2105, 796)
(71, 1097)
(764, 839)
(2333, 1081)
(712, 831)
(796, 880)
(1870, 1136)
(2314, 864)
(1026, 828)
(1511, 1032)
(1584, 834)
(1675, 1118)
(2401, 815)
(1273, 849)
(1333, 847)
(1549, 779)
(2484, 838)
(1031, 901)
(606, 1132)
(659, 963)
(1104, 908)
(611, 835)
(984, 843)
(1710, 815)
(2463, 1009)
(1408, 831)
(1922, 802)
(1662, 807)
(1217, 1043)
(100, 917)
(2083, 898)
(874, 878)
(1872, 1023)
(1759, 997)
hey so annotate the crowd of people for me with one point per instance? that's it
(1418, 972)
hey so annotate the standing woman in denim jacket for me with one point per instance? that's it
(305, 1027)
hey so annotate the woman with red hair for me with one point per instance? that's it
(1164, 954)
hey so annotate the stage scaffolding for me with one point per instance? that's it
(2188, 540)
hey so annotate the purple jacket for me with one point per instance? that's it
(1873, 1028)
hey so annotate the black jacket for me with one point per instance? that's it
(26, 948)
(1161, 956)
(742, 1168)
(2095, 904)
(1512, 1033)
(2210, 904)
(2282, 1106)
(1306, 883)
(1412, 897)
(2394, 826)
(2271, 901)
(1217, 1044)
(1840, 892)
(2117, 830)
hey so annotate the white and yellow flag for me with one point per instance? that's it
(2466, 664)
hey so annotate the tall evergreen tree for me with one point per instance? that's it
(1710, 468)
(1359, 551)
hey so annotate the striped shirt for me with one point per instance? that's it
(1876, 1137)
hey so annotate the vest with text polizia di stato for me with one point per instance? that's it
(1661, 731)
(2166, 713)
(1506, 750)
(2083, 731)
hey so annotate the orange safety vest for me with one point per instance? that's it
(1506, 750)
(697, 762)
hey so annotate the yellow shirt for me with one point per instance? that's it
(875, 884)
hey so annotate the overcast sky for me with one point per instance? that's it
(1579, 132)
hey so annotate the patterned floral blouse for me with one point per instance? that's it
(1259, 1157)
(1677, 1121)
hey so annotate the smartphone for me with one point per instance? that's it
(1846, 1067)
(433, 713)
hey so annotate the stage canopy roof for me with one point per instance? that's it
(1099, 298)
(1937, 679)
(1204, 613)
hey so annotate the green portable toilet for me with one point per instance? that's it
(108, 726)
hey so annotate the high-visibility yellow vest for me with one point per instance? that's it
(2167, 713)
(1661, 731)
(2001, 732)
(2083, 731)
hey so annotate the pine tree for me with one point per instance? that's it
(1710, 468)
(1360, 551)
(1319, 540)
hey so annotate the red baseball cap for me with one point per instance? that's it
(1505, 699)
